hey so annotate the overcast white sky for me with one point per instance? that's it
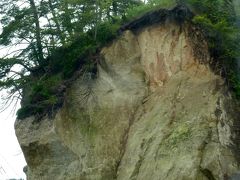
(11, 156)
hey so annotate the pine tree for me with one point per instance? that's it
(36, 29)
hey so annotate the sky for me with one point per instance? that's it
(11, 156)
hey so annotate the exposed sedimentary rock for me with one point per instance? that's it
(156, 111)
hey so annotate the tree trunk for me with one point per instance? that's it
(115, 8)
(67, 18)
(60, 33)
(99, 13)
(37, 32)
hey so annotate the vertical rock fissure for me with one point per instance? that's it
(218, 114)
(142, 156)
(208, 174)
(125, 140)
(137, 168)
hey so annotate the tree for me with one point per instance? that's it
(33, 30)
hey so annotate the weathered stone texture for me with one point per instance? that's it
(155, 111)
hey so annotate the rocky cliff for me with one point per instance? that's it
(156, 111)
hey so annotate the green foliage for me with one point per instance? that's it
(107, 32)
(218, 20)
(138, 11)
(43, 96)
(151, 5)
(65, 58)
(62, 22)
(69, 33)
(68, 58)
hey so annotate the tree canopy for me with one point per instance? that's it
(35, 30)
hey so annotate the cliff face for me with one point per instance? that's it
(155, 111)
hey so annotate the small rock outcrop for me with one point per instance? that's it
(155, 111)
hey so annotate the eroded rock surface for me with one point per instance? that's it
(156, 111)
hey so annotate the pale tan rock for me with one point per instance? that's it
(155, 112)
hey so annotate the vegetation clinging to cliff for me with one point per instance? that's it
(70, 42)
(218, 20)
(54, 38)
